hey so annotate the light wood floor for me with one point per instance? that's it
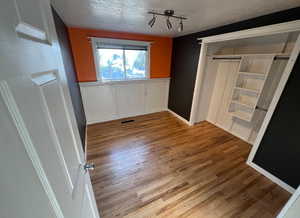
(158, 166)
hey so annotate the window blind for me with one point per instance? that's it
(121, 46)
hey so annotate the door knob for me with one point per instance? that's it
(89, 166)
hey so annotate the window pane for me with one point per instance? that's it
(135, 64)
(111, 64)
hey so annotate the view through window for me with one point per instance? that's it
(122, 62)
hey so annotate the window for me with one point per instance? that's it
(121, 60)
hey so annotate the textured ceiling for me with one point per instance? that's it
(131, 15)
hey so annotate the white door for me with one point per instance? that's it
(41, 156)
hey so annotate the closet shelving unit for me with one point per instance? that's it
(250, 79)
(244, 97)
(254, 74)
(238, 80)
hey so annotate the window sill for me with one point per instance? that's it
(99, 83)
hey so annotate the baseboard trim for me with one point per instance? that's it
(92, 122)
(117, 118)
(179, 117)
(271, 177)
(232, 133)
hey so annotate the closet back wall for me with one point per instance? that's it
(186, 52)
(160, 52)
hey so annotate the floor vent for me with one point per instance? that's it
(127, 121)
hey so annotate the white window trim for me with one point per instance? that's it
(96, 40)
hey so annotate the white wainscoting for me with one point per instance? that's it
(104, 102)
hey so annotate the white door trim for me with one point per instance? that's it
(40, 80)
(29, 147)
(57, 144)
(179, 117)
(198, 83)
(291, 26)
(285, 76)
(270, 176)
(76, 141)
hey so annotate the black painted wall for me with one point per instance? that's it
(279, 150)
(64, 43)
(186, 54)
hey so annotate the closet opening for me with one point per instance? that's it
(239, 81)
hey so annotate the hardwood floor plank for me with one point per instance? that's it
(157, 166)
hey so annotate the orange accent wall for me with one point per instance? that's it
(160, 53)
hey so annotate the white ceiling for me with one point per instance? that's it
(131, 15)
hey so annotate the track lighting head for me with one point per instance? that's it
(169, 25)
(180, 28)
(152, 21)
(168, 14)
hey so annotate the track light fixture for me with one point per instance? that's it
(168, 14)
(152, 21)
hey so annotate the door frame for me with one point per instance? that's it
(286, 27)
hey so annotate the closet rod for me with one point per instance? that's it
(216, 58)
(239, 58)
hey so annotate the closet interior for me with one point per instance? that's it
(240, 80)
